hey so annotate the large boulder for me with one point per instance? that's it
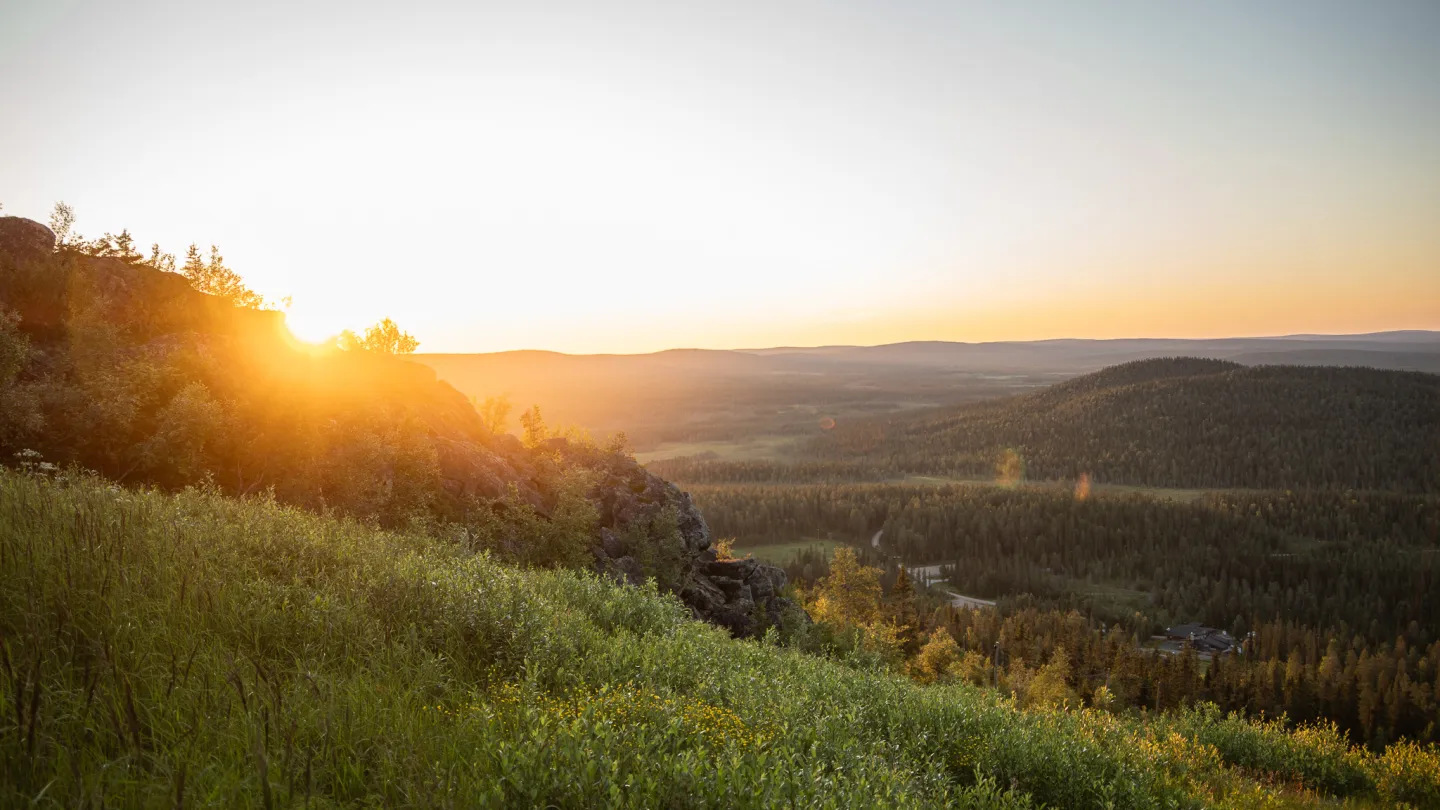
(25, 240)
(644, 517)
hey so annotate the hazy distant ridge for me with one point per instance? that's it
(1402, 349)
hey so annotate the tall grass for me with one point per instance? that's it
(191, 650)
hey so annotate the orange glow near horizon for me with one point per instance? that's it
(646, 176)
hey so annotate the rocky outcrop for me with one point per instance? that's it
(649, 527)
(25, 240)
(48, 288)
(737, 594)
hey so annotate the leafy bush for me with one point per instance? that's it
(1410, 774)
(1316, 755)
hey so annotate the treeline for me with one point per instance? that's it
(1176, 423)
(702, 470)
(1323, 558)
(1375, 692)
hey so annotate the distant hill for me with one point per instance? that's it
(1401, 350)
(1178, 422)
(1368, 358)
(690, 395)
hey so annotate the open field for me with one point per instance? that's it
(667, 403)
(1170, 494)
(754, 448)
(783, 553)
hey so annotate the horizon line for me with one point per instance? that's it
(1432, 333)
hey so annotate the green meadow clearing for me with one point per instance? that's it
(783, 553)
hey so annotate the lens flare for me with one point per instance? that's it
(1010, 469)
(827, 423)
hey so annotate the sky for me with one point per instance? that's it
(633, 176)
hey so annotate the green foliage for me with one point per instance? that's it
(533, 427)
(185, 427)
(20, 417)
(1315, 755)
(1253, 554)
(494, 413)
(198, 650)
(560, 539)
(657, 545)
(850, 595)
(937, 660)
(384, 337)
(62, 224)
(133, 376)
(1333, 584)
(212, 277)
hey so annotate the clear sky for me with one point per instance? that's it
(632, 176)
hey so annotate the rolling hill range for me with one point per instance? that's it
(1179, 422)
(694, 395)
(1399, 350)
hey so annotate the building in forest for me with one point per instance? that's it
(1202, 639)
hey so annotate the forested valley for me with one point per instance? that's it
(1296, 509)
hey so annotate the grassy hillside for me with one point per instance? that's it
(1177, 423)
(192, 650)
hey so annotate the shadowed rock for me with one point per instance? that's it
(742, 596)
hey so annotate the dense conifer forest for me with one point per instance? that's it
(1330, 594)
(1368, 560)
(1295, 508)
(1177, 423)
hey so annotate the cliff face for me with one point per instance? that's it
(144, 379)
(643, 517)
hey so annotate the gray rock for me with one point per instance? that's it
(610, 544)
(738, 569)
(627, 496)
(24, 239)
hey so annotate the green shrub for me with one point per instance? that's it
(1316, 756)
(1409, 774)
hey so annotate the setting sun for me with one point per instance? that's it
(314, 324)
